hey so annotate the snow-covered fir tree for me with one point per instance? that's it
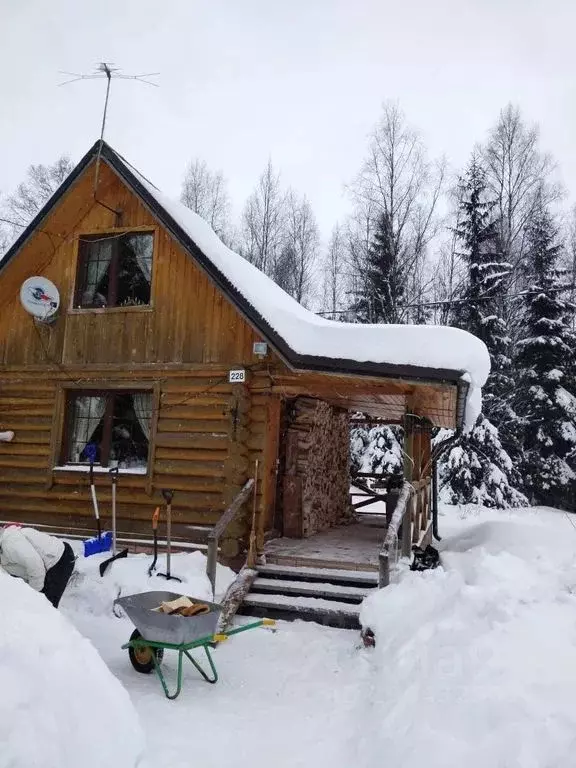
(376, 449)
(545, 357)
(382, 284)
(477, 468)
(480, 309)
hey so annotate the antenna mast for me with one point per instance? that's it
(106, 70)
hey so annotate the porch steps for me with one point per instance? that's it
(331, 597)
(311, 589)
(332, 575)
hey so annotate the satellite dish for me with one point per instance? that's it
(40, 298)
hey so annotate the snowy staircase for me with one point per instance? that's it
(327, 596)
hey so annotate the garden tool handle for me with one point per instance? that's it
(114, 478)
(168, 495)
(155, 517)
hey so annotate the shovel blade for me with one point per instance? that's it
(104, 565)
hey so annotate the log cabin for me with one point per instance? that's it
(191, 370)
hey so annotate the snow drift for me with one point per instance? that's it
(475, 663)
(59, 704)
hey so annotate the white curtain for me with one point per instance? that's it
(142, 247)
(98, 261)
(88, 413)
(143, 411)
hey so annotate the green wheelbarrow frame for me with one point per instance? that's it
(184, 649)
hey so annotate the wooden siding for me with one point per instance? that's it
(189, 320)
(195, 451)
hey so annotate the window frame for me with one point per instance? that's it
(62, 424)
(115, 235)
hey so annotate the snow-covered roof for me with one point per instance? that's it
(304, 339)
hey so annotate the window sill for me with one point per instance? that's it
(108, 310)
(82, 468)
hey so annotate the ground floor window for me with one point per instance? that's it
(116, 423)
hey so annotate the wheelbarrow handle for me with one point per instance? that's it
(223, 636)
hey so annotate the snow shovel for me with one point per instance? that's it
(124, 552)
(168, 496)
(155, 517)
(100, 543)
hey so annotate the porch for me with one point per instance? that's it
(325, 577)
(360, 544)
(321, 547)
(349, 547)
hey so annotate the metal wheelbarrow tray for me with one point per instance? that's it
(157, 631)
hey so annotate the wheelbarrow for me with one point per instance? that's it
(157, 632)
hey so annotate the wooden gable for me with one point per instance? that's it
(189, 319)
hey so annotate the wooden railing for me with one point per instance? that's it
(409, 521)
(230, 514)
(400, 519)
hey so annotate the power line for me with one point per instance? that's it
(456, 302)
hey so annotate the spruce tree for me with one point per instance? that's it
(477, 468)
(545, 358)
(382, 292)
(376, 449)
(480, 309)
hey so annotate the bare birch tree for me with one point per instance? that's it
(205, 192)
(296, 264)
(397, 181)
(335, 273)
(263, 222)
(4, 239)
(41, 182)
(518, 174)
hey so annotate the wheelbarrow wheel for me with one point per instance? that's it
(141, 656)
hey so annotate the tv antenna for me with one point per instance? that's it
(107, 71)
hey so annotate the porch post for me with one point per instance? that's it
(237, 467)
(406, 546)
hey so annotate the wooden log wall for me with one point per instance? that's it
(206, 434)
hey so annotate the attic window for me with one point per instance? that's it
(114, 270)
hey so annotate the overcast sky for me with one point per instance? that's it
(299, 80)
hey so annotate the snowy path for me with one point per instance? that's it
(475, 665)
(283, 698)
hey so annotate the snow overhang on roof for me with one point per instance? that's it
(305, 340)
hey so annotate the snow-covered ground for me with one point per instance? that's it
(475, 663)
(59, 704)
(283, 696)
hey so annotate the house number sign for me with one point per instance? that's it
(237, 377)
